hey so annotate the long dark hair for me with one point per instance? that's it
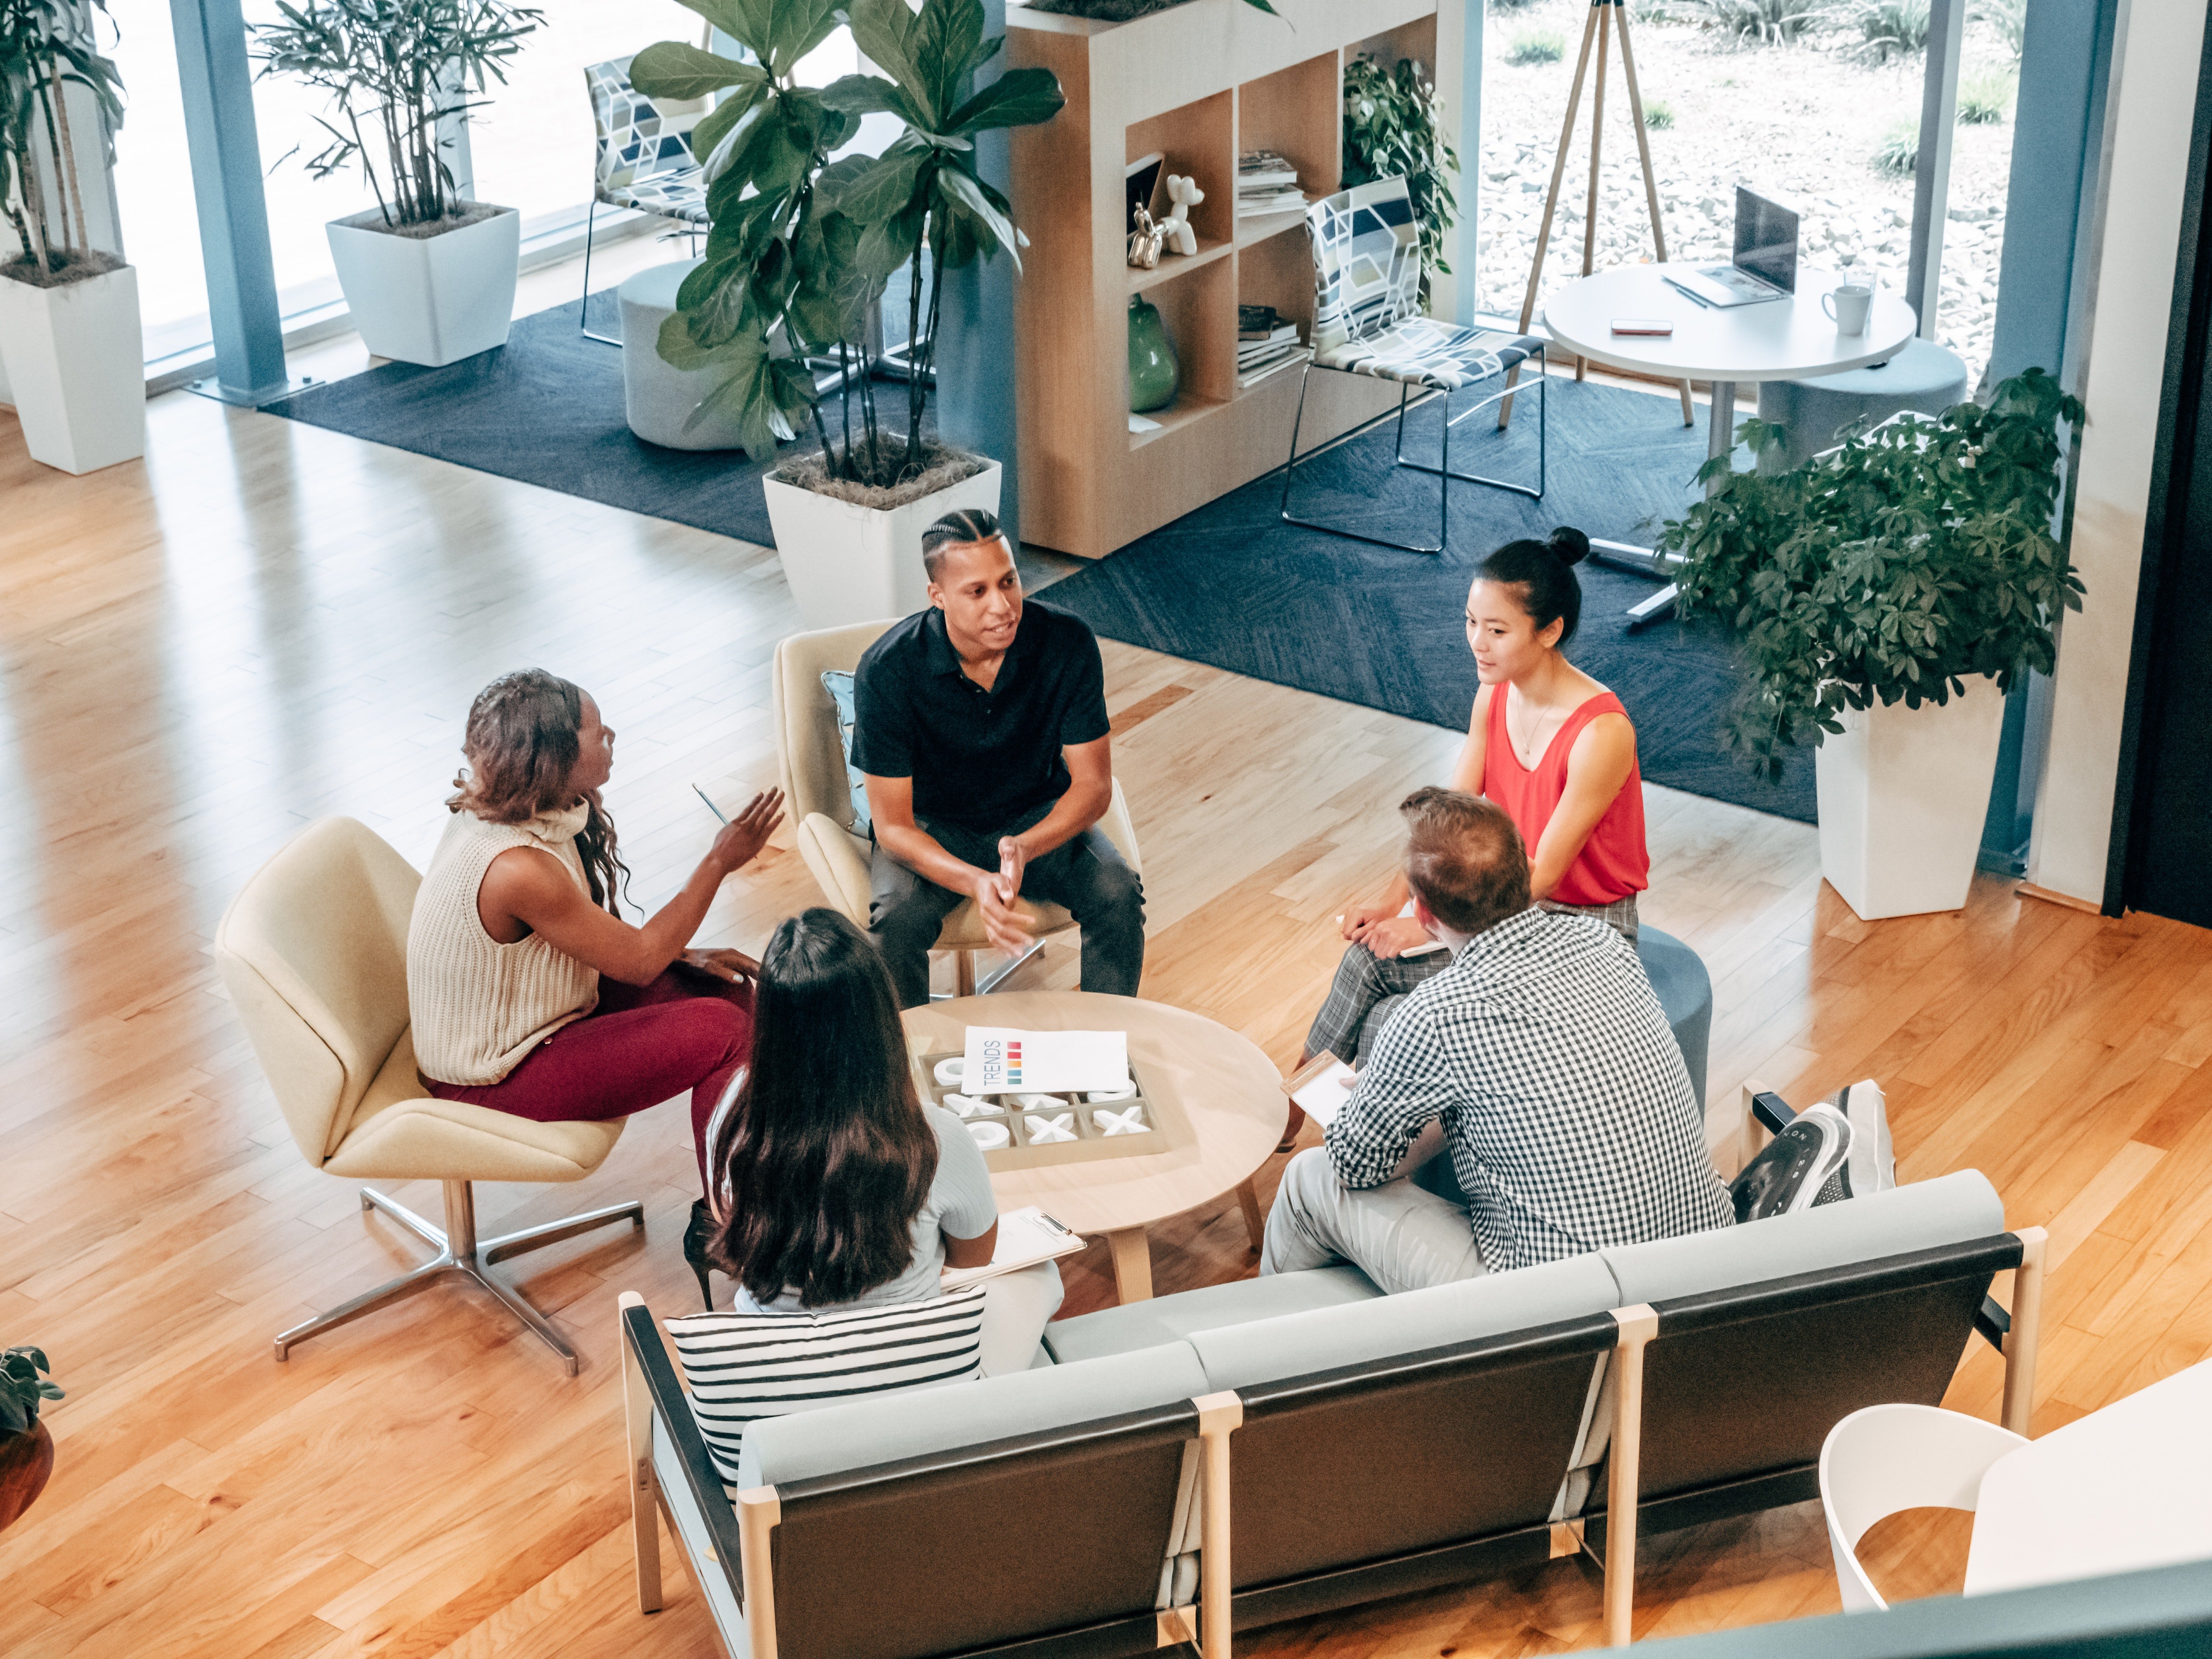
(824, 1157)
(1544, 572)
(522, 744)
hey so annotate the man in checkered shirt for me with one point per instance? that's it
(1539, 1059)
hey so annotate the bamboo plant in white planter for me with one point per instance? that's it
(69, 312)
(428, 276)
(804, 247)
(1886, 594)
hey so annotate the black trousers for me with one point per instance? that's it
(1084, 875)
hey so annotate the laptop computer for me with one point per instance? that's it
(1766, 263)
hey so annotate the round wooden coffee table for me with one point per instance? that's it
(1223, 1112)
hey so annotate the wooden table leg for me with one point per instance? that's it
(1132, 1263)
(1256, 1222)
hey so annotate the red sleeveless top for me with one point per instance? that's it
(1614, 862)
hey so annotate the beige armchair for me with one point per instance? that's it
(821, 804)
(313, 951)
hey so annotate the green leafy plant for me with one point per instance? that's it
(23, 1388)
(1394, 127)
(1914, 554)
(2009, 18)
(1659, 115)
(1986, 99)
(1885, 28)
(1764, 22)
(45, 47)
(1897, 155)
(1533, 46)
(802, 248)
(404, 66)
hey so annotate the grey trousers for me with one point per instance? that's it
(1402, 1237)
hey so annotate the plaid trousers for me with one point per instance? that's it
(1368, 988)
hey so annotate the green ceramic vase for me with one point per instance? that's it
(1152, 371)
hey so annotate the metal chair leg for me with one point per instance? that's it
(460, 1251)
(1543, 380)
(1290, 467)
(584, 316)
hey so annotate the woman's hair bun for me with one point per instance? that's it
(1570, 543)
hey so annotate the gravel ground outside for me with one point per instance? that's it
(1804, 119)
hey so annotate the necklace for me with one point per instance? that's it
(1526, 747)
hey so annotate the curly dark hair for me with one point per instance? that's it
(521, 746)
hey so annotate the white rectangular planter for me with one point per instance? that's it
(852, 564)
(77, 369)
(1903, 793)
(429, 300)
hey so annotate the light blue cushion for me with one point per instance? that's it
(839, 684)
(1685, 991)
(868, 1432)
(1171, 1318)
(1267, 1350)
(1948, 1210)
(1923, 376)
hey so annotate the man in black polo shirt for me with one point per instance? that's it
(980, 725)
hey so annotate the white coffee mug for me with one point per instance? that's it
(1851, 305)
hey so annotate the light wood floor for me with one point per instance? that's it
(266, 623)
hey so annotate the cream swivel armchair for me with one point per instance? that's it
(313, 951)
(817, 792)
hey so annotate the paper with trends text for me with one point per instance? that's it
(998, 1059)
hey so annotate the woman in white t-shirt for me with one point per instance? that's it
(833, 1186)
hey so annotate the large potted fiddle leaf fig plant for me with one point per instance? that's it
(1886, 594)
(428, 277)
(804, 248)
(69, 312)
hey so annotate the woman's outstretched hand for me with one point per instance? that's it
(735, 966)
(740, 840)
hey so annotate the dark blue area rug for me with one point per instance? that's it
(546, 408)
(1232, 585)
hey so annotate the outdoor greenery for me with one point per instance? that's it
(23, 1388)
(1898, 152)
(1536, 46)
(1658, 115)
(404, 66)
(1986, 99)
(1394, 127)
(1757, 20)
(44, 46)
(802, 247)
(2007, 17)
(1885, 28)
(1918, 552)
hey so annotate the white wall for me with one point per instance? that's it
(2150, 115)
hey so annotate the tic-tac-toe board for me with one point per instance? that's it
(1025, 1131)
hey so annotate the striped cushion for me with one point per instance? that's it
(741, 1366)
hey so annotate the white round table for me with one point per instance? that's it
(1774, 340)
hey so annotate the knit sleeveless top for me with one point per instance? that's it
(1614, 862)
(478, 1007)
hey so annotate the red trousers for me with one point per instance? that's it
(641, 1046)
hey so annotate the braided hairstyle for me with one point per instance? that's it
(1544, 572)
(521, 746)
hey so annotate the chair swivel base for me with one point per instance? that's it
(965, 983)
(460, 1251)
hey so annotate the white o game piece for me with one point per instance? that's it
(1061, 1127)
(1131, 1122)
(951, 1071)
(989, 1136)
(1127, 1091)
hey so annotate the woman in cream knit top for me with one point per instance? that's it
(527, 991)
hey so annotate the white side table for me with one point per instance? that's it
(1776, 340)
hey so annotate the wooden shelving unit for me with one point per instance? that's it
(1201, 84)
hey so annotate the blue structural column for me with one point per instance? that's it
(975, 342)
(2058, 131)
(1467, 239)
(225, 155)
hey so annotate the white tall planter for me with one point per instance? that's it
(1903, 793)
(77, 369)
(429, 300)
(852, 564)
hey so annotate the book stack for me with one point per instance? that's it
(1266, 341)
(1266, 183)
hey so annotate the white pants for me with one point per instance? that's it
(1016, 1307)
(1401, 1237)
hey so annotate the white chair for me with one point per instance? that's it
(313, 952)
(1885, 1459)
(818, 794)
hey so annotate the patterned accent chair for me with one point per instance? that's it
(1367, 320)
(645, 163)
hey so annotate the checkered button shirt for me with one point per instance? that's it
(1562, 1092)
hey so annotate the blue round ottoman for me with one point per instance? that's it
(1922, 377)
(658, 397)
(1685, 990)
